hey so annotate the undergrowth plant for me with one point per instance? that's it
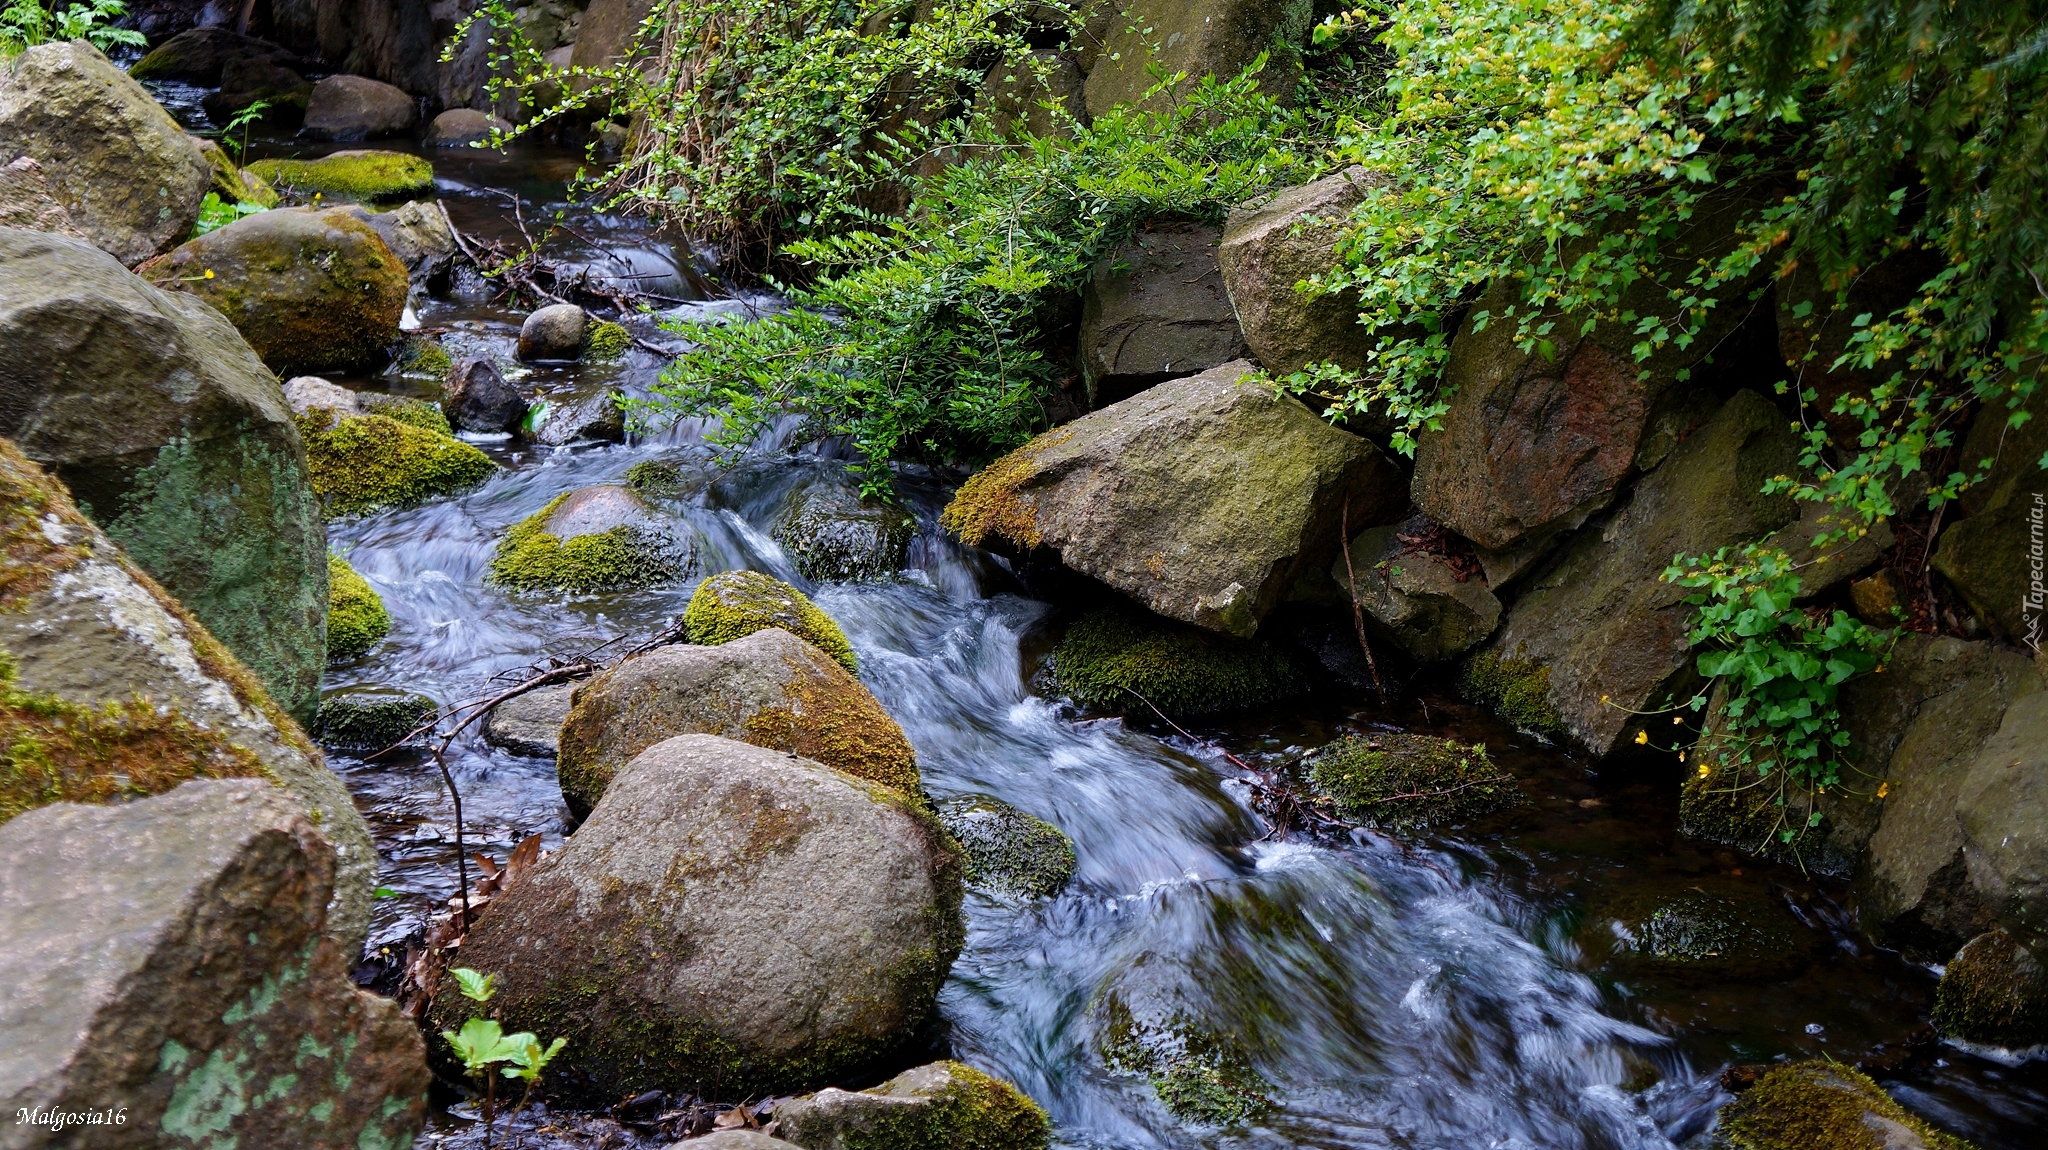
(27, 23)
(482, 1045)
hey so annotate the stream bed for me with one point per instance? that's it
(1450, 991)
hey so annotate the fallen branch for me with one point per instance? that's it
(1357, 610)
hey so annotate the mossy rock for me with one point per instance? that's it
(546, 551)
(235, 185)
(1199, 1074)
(1122, 657)
(1700, 929)
(1009, 852)
(362, 721)
(734, 604)
(359, 175)
(606, 341)
(425, 358)
(940, 1106)
(1517, 689)
(1409, 782)
(834, 536)
(407, 410)
(1993, 991)
(659, 479)
(356, 619)
(1825, 1106)
(366, 463)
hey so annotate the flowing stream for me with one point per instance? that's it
(1434, 992)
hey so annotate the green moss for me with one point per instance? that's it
(1199, 1076)
(1115, 657)
(734, 604)
(356, 618)
(606, 341)
(361, 175)
(232, 185)
(1408, 782)
(411, 412)
(838, 723)
(653, 477)
(366, 722)
(960, 1109)
(529, 558)
(367, 462)
(1819, 1106)
(1994, 991)
(1698, 928)
(1518, 690)
(1008, 851)
(990, 502)
(425, 358)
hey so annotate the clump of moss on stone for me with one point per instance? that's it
(361, 175)
(840, 725)
(367, 462)
(366, 722)
(1819, 1106)
(1009, 852)
(1698, 929)
(1123, 657)
(734, 604)
(56, 751)
(958, 1108)
(653, 477)
(834, 536)
(1994, 991)
(425, 358)
(530, 559)
(1409, 782)
(1199, 1076)
(989, 504)
(411, 412)
(606, 341)
(1517, 689)
(356, 618)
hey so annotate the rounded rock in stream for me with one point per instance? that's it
(939, 1106)
(734, 604)
(365, 721)
(769, 688)
(1824, 1106)
(531, 724)
(356, 618)
(1700, 928)
(1994, 991)
(553, 332)
(475, 397)
(602, 538)
(733, 918)
(1008, 851)
(365, 463)
(1407, 782)
(1145, 1025)
(833, 536)
(462, 127)
(347, 107)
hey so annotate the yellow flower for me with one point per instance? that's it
(1677, 719)
(1883, 789)
(1705, 770)
(1642, 737)
(209, 273)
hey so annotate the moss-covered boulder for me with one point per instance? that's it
(1409, 782)
(127, 174)
(1009, 853)
(940, 1106)
(837, 911)
(606, 341)
(768, 688)
(364, 721)
(734, 604)
(1698, 928)
(1200, 38)
(1825, 1106)
(365, 463)
(113, 692)
(1124, 658)
(173, 436)
(1147, 1025)
(1994, 991)
(1435, 603)
(357, 175)
(310, 290)
(602, 538)
(1517, 688)
(1202, 498)
(833, 536)
(356, 619)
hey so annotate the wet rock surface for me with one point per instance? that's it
(936, 1107)
(476, 397)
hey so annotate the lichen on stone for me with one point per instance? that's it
(606, 341)
(1009, 852)
(361, 175)
(361, 721)
(1820, 1106)
(988, 503)
(1409, 782)
(628, 555)
(367, 462)
(840, 725)
(1125, 657)
(1517, 689)
(356, 619)
(1993, 991)
(734, 604)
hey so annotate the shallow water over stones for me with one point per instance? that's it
(1464, 989)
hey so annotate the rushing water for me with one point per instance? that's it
(1437, 992)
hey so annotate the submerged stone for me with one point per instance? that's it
(1146, 1025)
(1699, 928)
(833, 536)
(1009, 852)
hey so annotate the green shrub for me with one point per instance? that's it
(356, 619)
(1126, 658)
(734, 604)
(357, 175)
(1409, 782)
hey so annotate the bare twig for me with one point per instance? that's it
(1357, 610)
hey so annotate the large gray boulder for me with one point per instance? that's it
(938, 1106)
(1271, 247)
(88, 634)
(1993, 555)
(167, 957)
(1203, 498)
(836, 906)
(26, 201)
(310, 289)
(2003, 809)
(168, 429)
(769, 688)
(1201, 38)
(1609, 630)
(1154, 308)
(357, 108)
(1435, 606)
(127, 174)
